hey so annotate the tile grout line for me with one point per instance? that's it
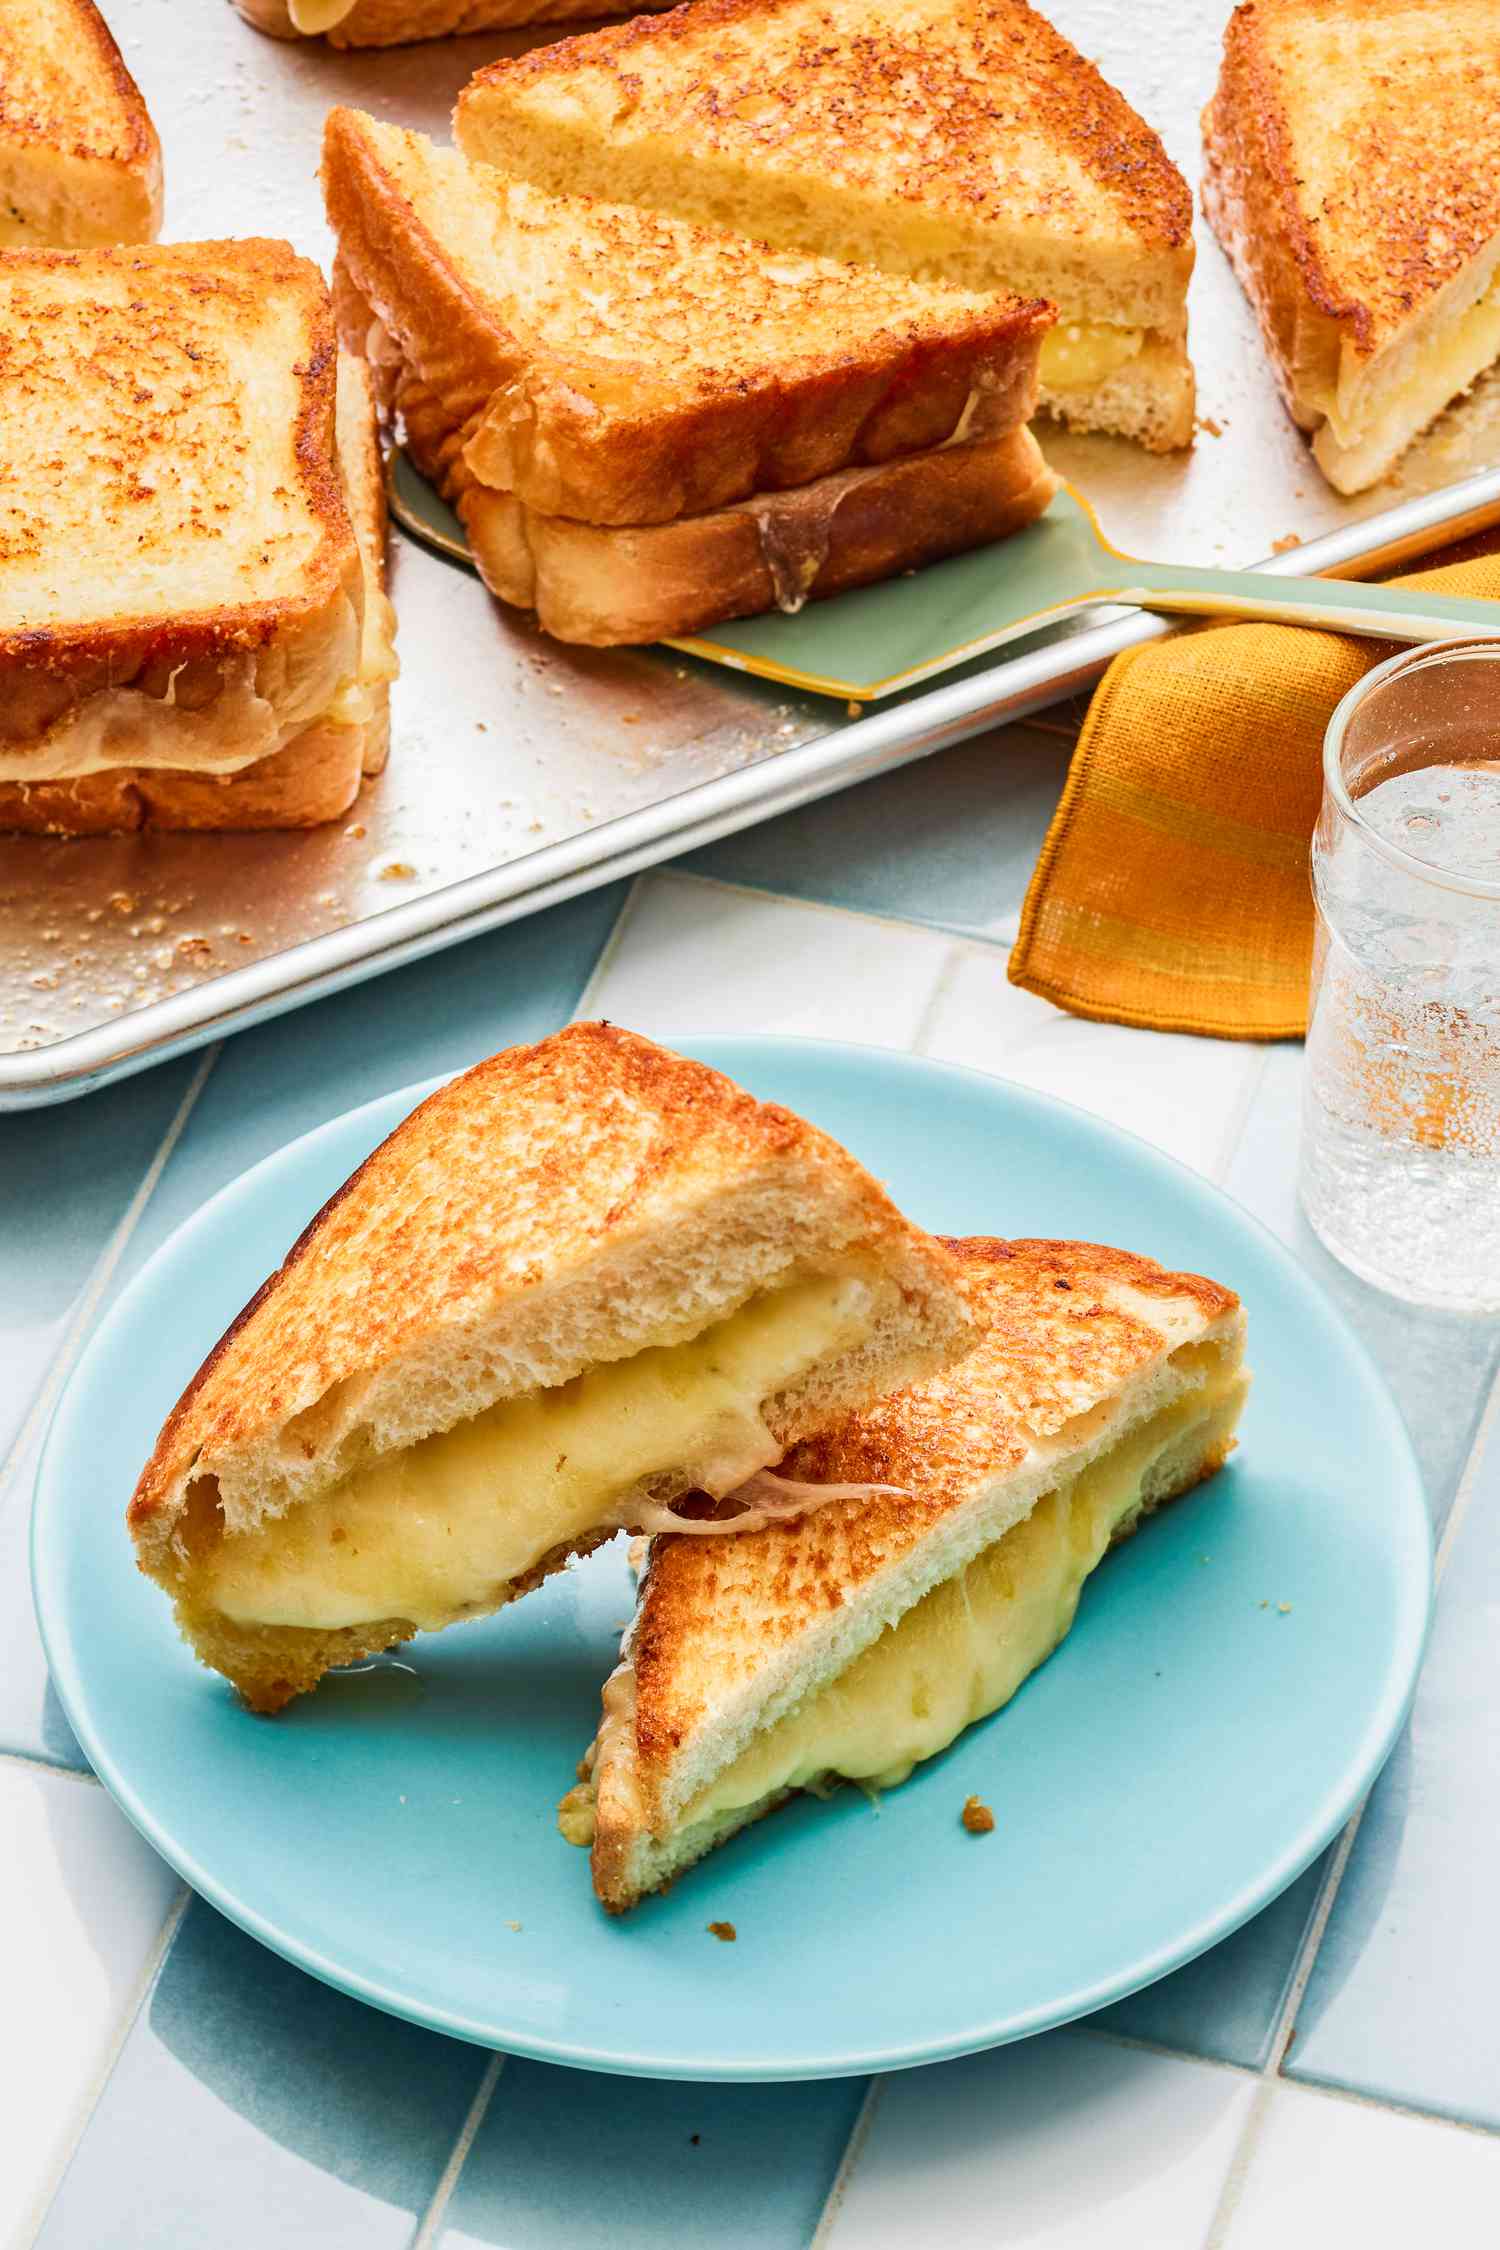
(942, 985)
(583, 1009)
(433, 2216)
(104, 1271)
(1351, 2094)
(30, 1762)
(854, 2149)
(88, 2100)
(1239, 1117)
(1240, 2162)
(900, 922)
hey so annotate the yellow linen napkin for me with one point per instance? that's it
(1172, 891)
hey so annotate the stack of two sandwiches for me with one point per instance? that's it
(593, 1286)
(740, 306)
(647, 424)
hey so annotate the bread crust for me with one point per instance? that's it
(1064, 1326)
(314, 778)
(607, 587)
(70, 183)
(611, 440)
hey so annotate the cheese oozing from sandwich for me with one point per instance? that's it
(312, 16)
(438, 1530)
(962, 1651)
(1375, 413)
(1079, 354)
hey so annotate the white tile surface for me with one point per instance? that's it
(694, 957)
(82, 1902)
(1186, 1095)
(1070, 2142)
(1327, 2171)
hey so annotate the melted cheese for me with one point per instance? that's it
(312, 16)
(965, 1648)
(1369, 422)
(1078, 354)
(437, 1531)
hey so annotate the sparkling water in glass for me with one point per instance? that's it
(1400, 1172)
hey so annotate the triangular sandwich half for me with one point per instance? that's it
(859, 1639)
(1352, 172)
(583, 1280)
(965, 144)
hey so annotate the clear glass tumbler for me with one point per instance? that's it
(1400, 1171)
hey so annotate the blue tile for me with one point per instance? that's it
(1439, 1365)
(1226, 2004)
(252, 2106)
(566, 2160)
(1401, 2002)
(454, 1008)
(950, 840)
(67, 1175)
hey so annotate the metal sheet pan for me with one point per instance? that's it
(522, 772)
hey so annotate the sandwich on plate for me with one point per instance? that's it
(1352, 172)
(585, 1279)
(855, 1641)
(970, 147)
(80, 164)
(193, 632)
(648, 425)
(392, 23)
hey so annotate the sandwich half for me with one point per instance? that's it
(192, 628)
(969, 146)
(393, 23)
(646, 424)
(857, 1641)
(583, 1280)
(80, 163)
(1352, 173)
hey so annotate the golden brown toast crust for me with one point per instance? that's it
(114, 649)
(599, 1128)
(604, 587)
(113, 152)
(606, 438)
(1061, 1325)
(1087, 117)
(1354, 215)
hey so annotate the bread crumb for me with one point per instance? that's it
(1287, 540)
(695, 2139)
(977, 1817)
(1209, 426)
(725, 1932)
(512, 1925)
(397, 871)
(1283, 1609)
(855, 710)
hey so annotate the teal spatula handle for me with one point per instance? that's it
(1387, 613)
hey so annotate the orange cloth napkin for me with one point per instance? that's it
(1172, 891)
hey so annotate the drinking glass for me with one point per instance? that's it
(1400, 1167)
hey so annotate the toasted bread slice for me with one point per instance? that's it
(1352, 154)
(606, 363)
(395, 23)
(972, 146)
(80, 163)
(774, 551)
(583, 1279)
(853, 1642)
(182, 594)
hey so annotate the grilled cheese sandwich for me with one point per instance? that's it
(193, 629)
(1099, 1387)
(973, 147)
(584, 1280)
(1352, 175)
(80, 163)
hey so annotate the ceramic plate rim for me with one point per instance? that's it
(1340, 1798)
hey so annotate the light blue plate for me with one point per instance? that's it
(1184, 1756)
